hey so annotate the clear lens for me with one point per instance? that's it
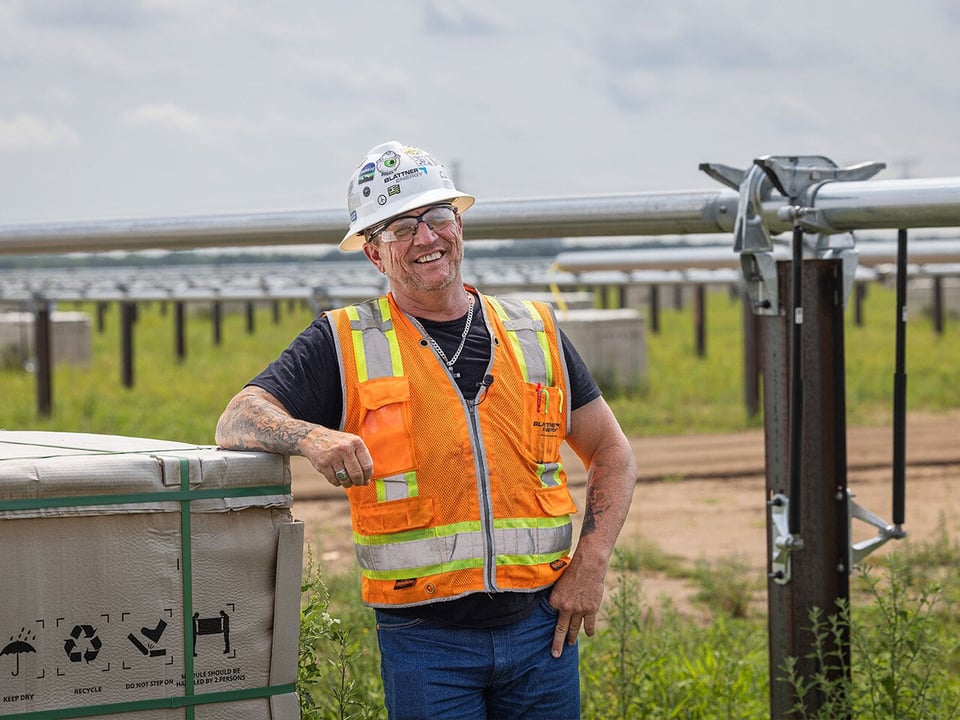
(437, 218)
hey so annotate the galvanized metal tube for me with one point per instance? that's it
(872, 204)
(891, 204)
(693, 212)
(176, 233)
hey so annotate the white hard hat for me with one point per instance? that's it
(394, 179)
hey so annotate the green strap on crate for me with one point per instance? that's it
(186, 552)
(189, 700)
(170, 703)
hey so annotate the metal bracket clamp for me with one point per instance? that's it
(860, 550)
(797, 178)
(782, 543)
(751, 237)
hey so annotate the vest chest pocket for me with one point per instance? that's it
(556, 501)
(395, 516)
(385, 424)
(543, 420)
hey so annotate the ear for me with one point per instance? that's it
(373, 255)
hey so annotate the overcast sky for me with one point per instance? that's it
(157, 108)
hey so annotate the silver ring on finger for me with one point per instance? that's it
(340, 475)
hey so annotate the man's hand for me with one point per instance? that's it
(256, 420)
(576, 596)
(343, 459)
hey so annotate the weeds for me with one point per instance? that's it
(329, 658)
(657, 663)
(725, 587)
(900, 654)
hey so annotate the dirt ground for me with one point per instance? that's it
(702, 498)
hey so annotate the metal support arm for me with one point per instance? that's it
(860, 550)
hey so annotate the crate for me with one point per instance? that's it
(146, 579)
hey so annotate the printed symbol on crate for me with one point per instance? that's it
(83, 645)
(212, 626)
(153, 639)
(19, 645)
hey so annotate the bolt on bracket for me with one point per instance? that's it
(782, 543)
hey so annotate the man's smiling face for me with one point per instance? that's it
(428, 261)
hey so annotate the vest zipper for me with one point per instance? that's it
(485, 501)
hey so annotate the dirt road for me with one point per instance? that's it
(702, 497)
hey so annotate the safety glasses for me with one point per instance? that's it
(438, 218)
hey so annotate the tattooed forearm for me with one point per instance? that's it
(596, 505)
(251, 422)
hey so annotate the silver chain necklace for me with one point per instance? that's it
(463, 340)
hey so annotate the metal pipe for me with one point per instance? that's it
(705, 257)
(692, 212)
(872, 204)
(891, 204)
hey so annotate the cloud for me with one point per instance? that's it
(458, 18)
(173, 117)
(90, 14)
(28, 132)
(337, 79)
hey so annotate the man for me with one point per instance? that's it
(441, 412)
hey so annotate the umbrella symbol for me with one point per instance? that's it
(20, 645)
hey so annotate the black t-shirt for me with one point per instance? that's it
(306, 379)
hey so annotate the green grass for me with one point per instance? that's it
(689, 394)
(649, 661)
(644, 662)
(683, 393)
(169, 399)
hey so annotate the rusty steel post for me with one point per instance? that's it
(43, 346)
(700, 319)
(655, 309)
(216, 317)
(819, 576)
(179, 330)
(751, 357)
(128, 318)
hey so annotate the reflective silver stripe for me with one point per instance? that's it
(529, 331)
(343, 378)
(549, 474)
(464, 546)
(396, 487)
(523, 322)
(376, 346)
(378, 355)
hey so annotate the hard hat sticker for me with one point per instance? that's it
(388, 162)
(366, 173)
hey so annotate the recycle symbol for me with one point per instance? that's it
(83, 644)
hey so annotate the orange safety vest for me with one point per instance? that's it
(466, 496)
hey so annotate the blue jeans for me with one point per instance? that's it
(432, 672)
